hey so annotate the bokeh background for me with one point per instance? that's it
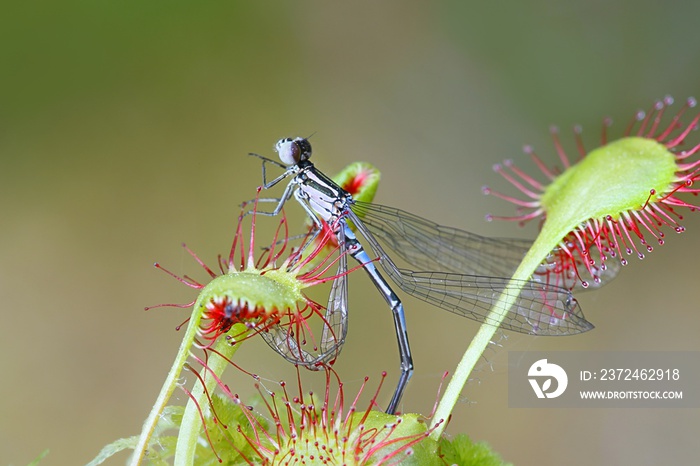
(124, 129)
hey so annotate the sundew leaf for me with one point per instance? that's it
(463, 452)
(401, 439)
(128, 443)
(161, 447)
(361, 179)
(227, 434)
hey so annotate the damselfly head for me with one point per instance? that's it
(293, 150)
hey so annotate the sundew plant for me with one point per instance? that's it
(618, 200)
(602, 207)
(259, 292)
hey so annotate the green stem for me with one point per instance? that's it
(191, 422)
(545, 243)
(168, 387)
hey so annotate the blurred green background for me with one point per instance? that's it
(124, 129)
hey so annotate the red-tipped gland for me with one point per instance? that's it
(265, 294)
(617, 199)
(301, 428)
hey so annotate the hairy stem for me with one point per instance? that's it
(546, 242)
(191, 422)
(168, 387)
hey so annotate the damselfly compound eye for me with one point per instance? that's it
(292, 151)
(304, 146)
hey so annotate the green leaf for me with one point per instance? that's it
(226, 439)
(401, 439)
(463, 452)
(360, 179)
(41, 456)
(170, 419)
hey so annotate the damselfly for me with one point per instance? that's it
(457, 271)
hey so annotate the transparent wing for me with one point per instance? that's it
(291, 339)
(335, 327)
(425, 245)
(537, 308)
